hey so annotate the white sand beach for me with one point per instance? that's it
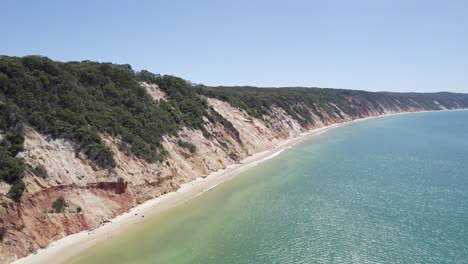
(61, 250)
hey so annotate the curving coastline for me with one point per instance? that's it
(63, 249)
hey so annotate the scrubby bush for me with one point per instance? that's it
(16, 191)
(187, 145)
(40, 171)
(11, 168)
(13, 141)
(59, 205)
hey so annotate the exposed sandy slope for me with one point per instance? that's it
(103, 195)
(61, 250)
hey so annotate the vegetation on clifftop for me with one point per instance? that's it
(81, 101)
(300, 102)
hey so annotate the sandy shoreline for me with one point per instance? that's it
(63, 249)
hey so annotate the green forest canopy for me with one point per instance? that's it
(79, 101)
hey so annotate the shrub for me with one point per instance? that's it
(40, 171)
(59, 205)
(16, 191)
(187, 145)
(11, 168)
(13, 142)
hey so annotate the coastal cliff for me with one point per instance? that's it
(145, 136)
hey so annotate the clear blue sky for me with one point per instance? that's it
(372, 45)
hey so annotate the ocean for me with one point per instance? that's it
(383, 190)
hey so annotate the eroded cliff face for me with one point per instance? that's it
(95, 195)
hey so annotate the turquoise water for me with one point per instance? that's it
(387, 190)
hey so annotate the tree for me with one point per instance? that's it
(59, 205)
(16, 191)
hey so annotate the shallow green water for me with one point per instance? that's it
(387, 190)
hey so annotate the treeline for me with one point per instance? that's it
(11, 143)
(300, 102)
(79, 101)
